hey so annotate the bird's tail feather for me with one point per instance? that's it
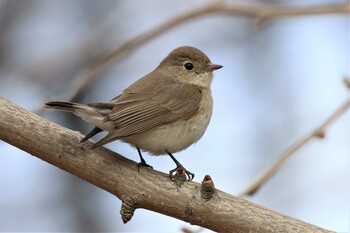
(92, 133)
(91, 113)
(64, 106)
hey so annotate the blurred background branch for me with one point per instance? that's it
(257, 11)
(318, 133)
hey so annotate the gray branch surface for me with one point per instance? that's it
(148, 189)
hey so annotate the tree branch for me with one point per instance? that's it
(318, 133)
(259, 12)
(147, 188)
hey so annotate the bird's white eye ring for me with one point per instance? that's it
(188, 66)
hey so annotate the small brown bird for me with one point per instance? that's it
(164, 112)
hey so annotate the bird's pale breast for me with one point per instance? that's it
(176, 136)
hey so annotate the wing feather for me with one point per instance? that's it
(137, 112)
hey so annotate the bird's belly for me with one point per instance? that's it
(173, 137)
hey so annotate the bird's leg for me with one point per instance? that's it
(143, 161)
(189, 174)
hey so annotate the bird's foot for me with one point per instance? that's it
(143, 164)
(143, 161)
(180, 174)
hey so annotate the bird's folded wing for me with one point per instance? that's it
(135, 113)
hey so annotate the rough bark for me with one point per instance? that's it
(148, 189)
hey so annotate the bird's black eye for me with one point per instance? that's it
(188, 66)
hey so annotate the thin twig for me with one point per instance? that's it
(86, 76)
(318, 133)
(260, 12)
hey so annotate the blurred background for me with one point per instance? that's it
(279, 82)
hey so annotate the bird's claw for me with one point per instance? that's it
(143, 164)
(180, 173)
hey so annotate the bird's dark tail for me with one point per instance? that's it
(92, 133)
(65, 106)
(86, 112)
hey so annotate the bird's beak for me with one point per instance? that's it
(212, 67)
